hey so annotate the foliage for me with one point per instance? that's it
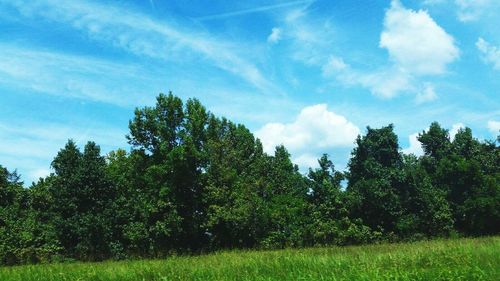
(193, 182)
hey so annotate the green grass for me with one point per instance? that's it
(461, 259)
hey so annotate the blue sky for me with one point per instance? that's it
(309, 74)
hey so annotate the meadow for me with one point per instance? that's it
(455, 259)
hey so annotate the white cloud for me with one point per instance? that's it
(454, 130)
(386, 83)
(143, 36)
(417, 47)
(311, 39)
(38, 173)
(333, 65)
(41, 140)
(316, 129)
(471, 10)
(275, 35)
(306, 160)
(76, 76)
(415, 146)
(494, 127)
(415, 42)
(254, 10)
(427, 94)
(490, 53)
(434, 2)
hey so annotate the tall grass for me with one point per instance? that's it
(460, 259)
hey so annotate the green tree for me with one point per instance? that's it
(172, 137)
(285, 198)
(82, 193)
(194, 182)
(426, 210)
(469, 174)
(329, 214)
(376, 179)
(13, 203)
(24, 235)
(435, 141)
(235, 216)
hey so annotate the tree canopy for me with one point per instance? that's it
(193, 182)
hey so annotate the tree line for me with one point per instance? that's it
(193, 182)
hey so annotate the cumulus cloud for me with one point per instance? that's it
(490, 53)
(454, 130)
(315, 126)
(306, 160)
(315, 129)
(417, 47)
(494, 127)
(275, 35)
(38, 173)
(415, 146)
(415, 42)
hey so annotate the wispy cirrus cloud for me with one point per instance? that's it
(76, 76)
(336, 52)
(472, 10)
(142, 35)
(469, 10)
(386, 82)
(259, 9)
(311, 39)
(31, 146)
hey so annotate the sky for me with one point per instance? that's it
(311, 75)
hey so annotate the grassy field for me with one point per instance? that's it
(462, 259)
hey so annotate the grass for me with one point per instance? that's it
(460, 259)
